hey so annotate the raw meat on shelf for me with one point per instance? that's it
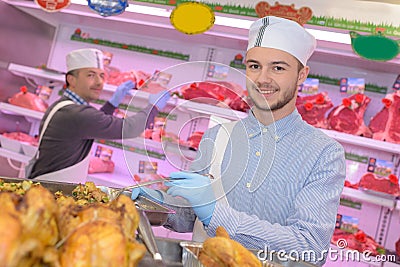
(313, 108)
(398, 247)
(160, 135)
(350, 185)
(116, 78)
(150, 86)
(28, 100)
(172, 138)
(359, 241)
(97, 165)
(22, 137)
(388, 185)
(224, 94)
(194, 140)
(349, 116)
(385, 125)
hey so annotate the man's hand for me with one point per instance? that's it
(196, 189)
(160, 99)
(121, 91)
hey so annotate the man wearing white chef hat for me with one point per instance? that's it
(278, 180)
(70, 125)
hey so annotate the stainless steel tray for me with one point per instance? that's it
(155, 212)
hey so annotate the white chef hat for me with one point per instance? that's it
(282, 34)
(85, 58)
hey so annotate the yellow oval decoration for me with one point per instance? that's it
(192, 18)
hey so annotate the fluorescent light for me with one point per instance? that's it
(148, 10)
(229, 22)
(232, 22)
(336, 37)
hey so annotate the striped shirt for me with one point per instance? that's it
(74, 97)
(283, 184)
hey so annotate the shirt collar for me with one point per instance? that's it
(74, 97)
(278, 129)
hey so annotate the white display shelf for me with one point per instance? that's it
(388, 202)
(363, 141)
(118, 178)
(16, 110)
(148, 144)
(162, 147)
(222, 112)
(14, 155)
(26, 71)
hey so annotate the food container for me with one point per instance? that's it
(10, 144)
(29, 150)
(191, 250)
(156, 213)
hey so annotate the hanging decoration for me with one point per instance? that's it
(375, 46)
(301, 15)
(192, 18)
(52, 5)
(108, 7)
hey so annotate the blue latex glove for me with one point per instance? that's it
(122, 90)
(153, 194)
(160, 99)
(196, 189)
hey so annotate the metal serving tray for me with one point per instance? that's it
(155, 212)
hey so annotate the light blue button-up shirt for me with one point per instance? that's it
(283, 184)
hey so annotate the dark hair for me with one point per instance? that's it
(73, 73)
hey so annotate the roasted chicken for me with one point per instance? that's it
(38, 228)
(28, 227)
(100, 243)
(221, 251)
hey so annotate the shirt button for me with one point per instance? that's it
(276, 138)
(265, 130)
(258, 153)
(248, 185)
(250, 135)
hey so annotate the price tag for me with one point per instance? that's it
(103, 153)
(347, 223)
(310, 86)
(352, 85)
(217, 71)
(381, 168)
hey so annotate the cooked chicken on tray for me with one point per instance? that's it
(39, 228)
(221, 251)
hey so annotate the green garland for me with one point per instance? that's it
(135, 48)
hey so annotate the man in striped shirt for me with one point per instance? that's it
(68, 137)
(281, 177)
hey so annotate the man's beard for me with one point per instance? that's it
(287, 97)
